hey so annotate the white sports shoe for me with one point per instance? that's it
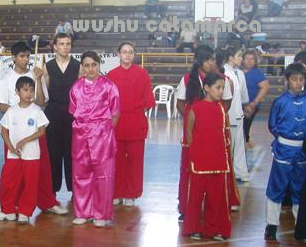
(79, 221)
(117, 201)
(9, 217)
(58, 210)
(129, 202)
(23, 219)
(99, 223)
(235, 208)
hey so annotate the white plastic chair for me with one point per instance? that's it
(163, 96)
(175, 111)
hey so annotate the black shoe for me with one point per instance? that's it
(270, 233)
(181, 218)
(196, 236)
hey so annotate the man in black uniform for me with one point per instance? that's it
(60, 74)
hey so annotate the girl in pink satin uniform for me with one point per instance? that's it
(94, 103)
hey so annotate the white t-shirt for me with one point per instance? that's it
(21, 123)
(188, 37)
(181, 90)
(2, 49)
(8, 93)
(240, 93)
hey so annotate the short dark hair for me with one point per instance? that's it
(294, 69)
(300, 57)
(19, 47)
(61, 36)
(126, 43)
(302, 43)
(24, 80)
(251, 52)
(92, 54)
(231, 52)
(212, 78)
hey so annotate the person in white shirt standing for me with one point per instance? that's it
(22, 125)
(233, 59)
(8, 97)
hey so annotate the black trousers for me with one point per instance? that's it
(247, 123)
(187, 45)
(300, 228)
(59, 137)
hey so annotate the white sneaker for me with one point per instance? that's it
(245, 179)
(235, 208)
(58, 210)
(99, 223)
(79, 221)
(117, 201)
(9, 217)
(129, 202)
(23, 219)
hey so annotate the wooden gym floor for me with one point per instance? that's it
(153, 221)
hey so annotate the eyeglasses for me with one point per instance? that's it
(127, 52)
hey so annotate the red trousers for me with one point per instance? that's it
(184, 180)
(234, 196)
(129, 169)
(19, 186)
(212, 190)
(46, 197)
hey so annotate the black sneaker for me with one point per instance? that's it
(181, 218)
(270, 233)
(219, 237)
(196, 236)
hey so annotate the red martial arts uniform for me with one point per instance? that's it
(136, 96)
(185, 162)
(209, 171)
(46, 196)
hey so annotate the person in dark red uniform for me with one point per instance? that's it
(206, 138)
(205, 62)
(136, 97)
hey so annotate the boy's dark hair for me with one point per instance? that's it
(61, 36)
(126, 43)
(300, 57)
(24, 80)
(19, 47)
(92, 54)
(294, 69)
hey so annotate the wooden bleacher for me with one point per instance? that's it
(19, 22)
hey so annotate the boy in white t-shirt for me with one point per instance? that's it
(22, 125)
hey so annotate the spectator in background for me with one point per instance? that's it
(302, 47)
(64, 27)
(187, 39)
(153, 6)
(41, 42)
(264, 48)
(277, 61)
(247, 10)
(235, 35)
(276, 6)
(173, 35)
(258, 87)
(2, 48)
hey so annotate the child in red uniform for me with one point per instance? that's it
(22, 125)
(206, 138)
